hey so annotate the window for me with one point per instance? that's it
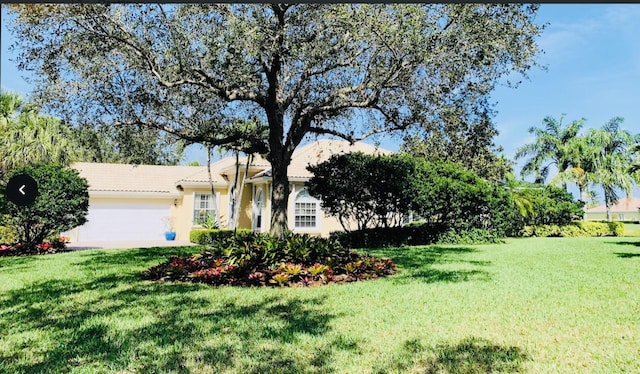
(203, 206)
(306, 211)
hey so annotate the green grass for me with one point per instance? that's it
(631, 229)
(538, 305)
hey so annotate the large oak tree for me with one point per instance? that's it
(343, 70)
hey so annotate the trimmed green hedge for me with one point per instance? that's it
(208, 237)
(418, 233)
(576, 229)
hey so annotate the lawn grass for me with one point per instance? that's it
(537, 305)
(631, 229)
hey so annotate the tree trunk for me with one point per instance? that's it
(607, 203)
(583, 197)
(213, 192)
(233, 212)
(240, 191)
(279, 198)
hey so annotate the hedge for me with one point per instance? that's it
(576, 229)
(208, 237)
(414, 234)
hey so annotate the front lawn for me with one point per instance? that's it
(532, 305)
(631, 229)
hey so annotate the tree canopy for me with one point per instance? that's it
(346, 70)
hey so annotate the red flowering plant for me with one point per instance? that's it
(24, 249)
(6, 250)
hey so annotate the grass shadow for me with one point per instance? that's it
(471, 355)
(420, 263)
(122, 324)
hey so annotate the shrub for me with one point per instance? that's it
(208, 237)
(8, 235)
(416, 234)
(470, 236)
(254, 249)
(372, 191)
(62, 204)
(575, 229)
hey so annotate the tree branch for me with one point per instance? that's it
(199, 138)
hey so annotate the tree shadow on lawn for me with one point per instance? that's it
(471, 355)
(633, 243)
(12, 263)
(136, 255)
(113, 323)
(418, 263)
(626, 255)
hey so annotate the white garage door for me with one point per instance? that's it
(124, 221)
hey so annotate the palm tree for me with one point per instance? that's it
(635, 165)
(554, 145)
(612, 160)
(582, 166)
(28, 137)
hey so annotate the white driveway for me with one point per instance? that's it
(126, 244)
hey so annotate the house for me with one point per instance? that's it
(627, 209)
(136, 202)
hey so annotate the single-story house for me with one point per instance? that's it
(136, 202)
(627, 209)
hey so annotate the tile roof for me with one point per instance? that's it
(164, 179)
(628, 204)
(134, 178)
(321, 150)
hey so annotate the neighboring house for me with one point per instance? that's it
(134, 202)
(627, 209)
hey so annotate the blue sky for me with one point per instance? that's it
(592, 55)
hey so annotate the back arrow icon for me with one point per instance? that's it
(21, 189)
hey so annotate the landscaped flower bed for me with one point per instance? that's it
(259, 260)
(24, 249)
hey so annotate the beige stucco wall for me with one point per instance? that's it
(183, 213)
(327, 224)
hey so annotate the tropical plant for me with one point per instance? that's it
(302, 69)
(520, 196)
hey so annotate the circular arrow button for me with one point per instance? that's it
(22, 189)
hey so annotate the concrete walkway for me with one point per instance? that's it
(126, 244)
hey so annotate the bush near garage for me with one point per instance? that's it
(62, 204)
(251, 259)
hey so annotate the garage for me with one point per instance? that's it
(116, 221)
